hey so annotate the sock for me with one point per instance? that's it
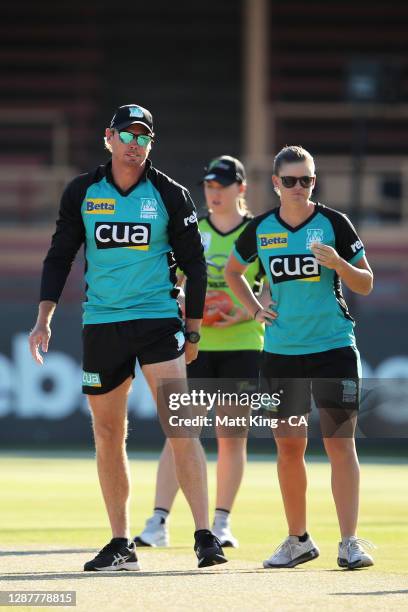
(121, 541)
(304, 537)
(221, 515)
(162, 512)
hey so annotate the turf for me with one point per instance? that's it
(53, 500)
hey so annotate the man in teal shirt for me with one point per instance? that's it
(134, 222)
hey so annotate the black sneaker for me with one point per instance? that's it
(114, 557)
(208, 549)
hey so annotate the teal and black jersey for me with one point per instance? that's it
(312, 313)
(132, 240)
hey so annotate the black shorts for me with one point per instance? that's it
(225, 364)
(227, 372)
(331, 377)
(110, 350)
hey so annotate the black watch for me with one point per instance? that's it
(192, 337)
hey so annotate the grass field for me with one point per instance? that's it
(52, 502)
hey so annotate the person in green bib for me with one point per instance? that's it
(230, 347)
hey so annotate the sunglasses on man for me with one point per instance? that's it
(290, 181)
(143, 140)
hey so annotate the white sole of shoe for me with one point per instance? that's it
(160, 544)
(133, 566)
(356, 565)
(309, 556)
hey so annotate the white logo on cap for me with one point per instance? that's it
(135, 111)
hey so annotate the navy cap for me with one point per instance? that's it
(129, 114)
(225, 170)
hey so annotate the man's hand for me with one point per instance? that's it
(325, 255)
(191, 351)
(39, 336)
(41, 333)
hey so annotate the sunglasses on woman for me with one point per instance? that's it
(142, 139)
(290, 181)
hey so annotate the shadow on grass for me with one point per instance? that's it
(403, 592)
(63, 551)
(121, 574)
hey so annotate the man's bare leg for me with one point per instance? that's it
(230, 470)
(191, 469)
(109, 417)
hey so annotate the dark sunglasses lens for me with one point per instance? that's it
(126, 137)
(143, 140)
(306, 181)
(288, 181)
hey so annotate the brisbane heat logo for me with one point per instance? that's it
(123, 235)
(313, 235)
(294, 267)
(148, 208)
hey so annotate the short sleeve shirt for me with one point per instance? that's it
(312, 313)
